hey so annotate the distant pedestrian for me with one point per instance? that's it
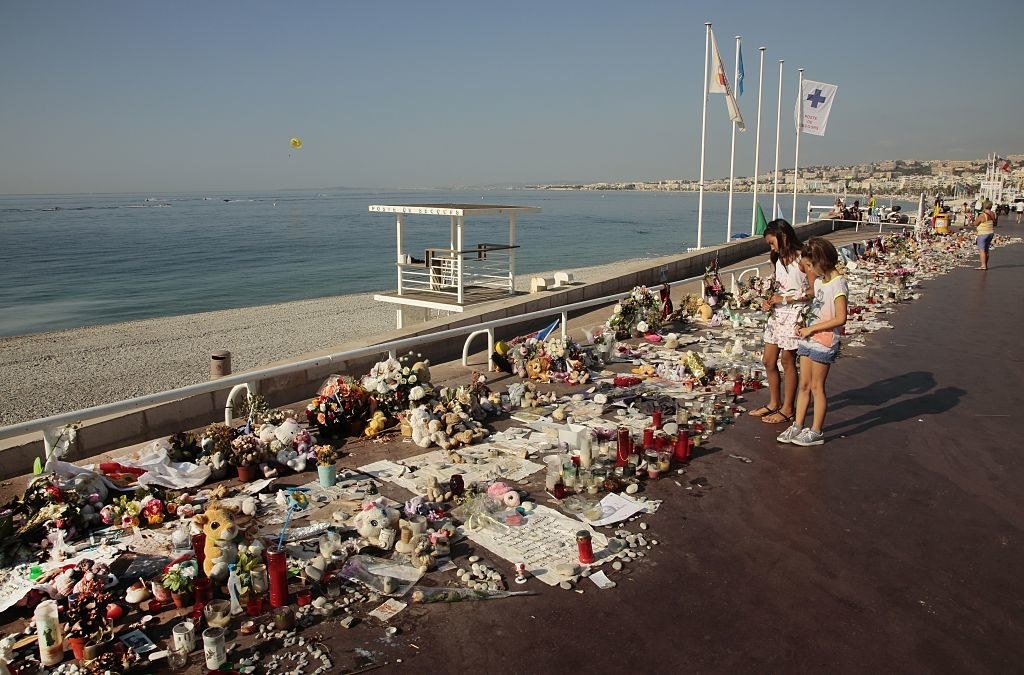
(856, 209)
(872, 203)
(985, 225)
(819, 341)
(1019, 208)
(788, 299)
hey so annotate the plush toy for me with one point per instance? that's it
(421, 369)
(376, 424)
(292, 459)
(218, 524)
(503, 494)
(419, 419)
(373, 517)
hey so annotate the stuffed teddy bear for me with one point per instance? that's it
(421, 369)
(419, 419)
(218, 524)
(375, 516)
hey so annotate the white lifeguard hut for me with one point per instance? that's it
(454, 277)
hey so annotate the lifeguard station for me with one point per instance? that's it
(459, 275)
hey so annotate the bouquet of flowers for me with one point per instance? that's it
(247, 450)
(641, 311)
(340, 402)
(398, 384)
(325, 455)
(715, 294)
(556, 358)
(755, 290)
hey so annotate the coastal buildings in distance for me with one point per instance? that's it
(909, 177)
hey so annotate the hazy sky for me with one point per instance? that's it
(167, 96)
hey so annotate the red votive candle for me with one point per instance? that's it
(277, 571)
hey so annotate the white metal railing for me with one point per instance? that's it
(448, 272)
(51, 427)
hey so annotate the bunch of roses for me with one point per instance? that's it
(340, 401)
(754, 290)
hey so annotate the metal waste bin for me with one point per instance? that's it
(941, 223)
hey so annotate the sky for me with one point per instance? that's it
(147, 96)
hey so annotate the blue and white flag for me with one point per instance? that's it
(740, 74)
(813, 107)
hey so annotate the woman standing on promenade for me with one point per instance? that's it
(819, 341)
(785, 305)
(985, 224)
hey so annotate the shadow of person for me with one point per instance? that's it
(937, 402)
(882, 391)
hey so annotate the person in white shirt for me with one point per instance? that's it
(1019, 207)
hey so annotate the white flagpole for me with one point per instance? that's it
(732, 151)
(778, 126)
(799, 128)
(703, 129)
(757, 142)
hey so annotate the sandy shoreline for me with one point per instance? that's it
(49, 373)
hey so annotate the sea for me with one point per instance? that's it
(68, 261)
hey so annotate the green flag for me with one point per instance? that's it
(761, 223)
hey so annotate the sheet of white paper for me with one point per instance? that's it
(601, 580)
(614, 508)
(546, 542)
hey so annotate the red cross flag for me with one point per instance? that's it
(813, 107)
(719, 84)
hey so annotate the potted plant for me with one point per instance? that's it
(89, 628)
(247, 451)
(326, 456)
(180, 579)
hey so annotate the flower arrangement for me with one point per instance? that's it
(556, 358)
(641, 311)
(325, 455)
(715, 294)
(755, 290)
(340, 401)
(180, 577)
(247, 450)
(398, 384)
(86, 616)
(184, 447)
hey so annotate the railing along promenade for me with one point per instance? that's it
(146, 418)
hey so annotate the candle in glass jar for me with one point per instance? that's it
(585, 546)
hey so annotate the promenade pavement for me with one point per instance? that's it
(895, 547)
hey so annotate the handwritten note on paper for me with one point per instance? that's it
(546, 542)
(484, 463)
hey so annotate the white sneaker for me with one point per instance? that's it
(809, 437)
(789, 434)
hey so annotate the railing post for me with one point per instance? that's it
(229, 405)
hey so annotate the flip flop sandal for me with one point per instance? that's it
(784, 418)
(762, 411)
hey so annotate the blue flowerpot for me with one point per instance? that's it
(328, 475)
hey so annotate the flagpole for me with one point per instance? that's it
(799, 128)
(757, 142)
(732, 151)
(778, 127)
(703, 130)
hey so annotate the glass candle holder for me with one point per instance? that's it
(277, 571)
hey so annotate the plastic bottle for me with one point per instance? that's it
(51, 642)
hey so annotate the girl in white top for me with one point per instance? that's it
(780, 341)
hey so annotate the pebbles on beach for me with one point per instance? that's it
(51, 373)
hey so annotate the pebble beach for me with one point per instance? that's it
(50, 373)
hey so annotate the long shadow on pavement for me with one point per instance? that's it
(937, 402)
(882, 391)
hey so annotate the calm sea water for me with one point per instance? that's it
(68, 261)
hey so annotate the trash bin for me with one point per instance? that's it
(941, 223)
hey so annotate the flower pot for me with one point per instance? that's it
(328, 474)
(182, 600)
(246, 474)
(77, 647)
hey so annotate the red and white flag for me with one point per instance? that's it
(719, 84)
